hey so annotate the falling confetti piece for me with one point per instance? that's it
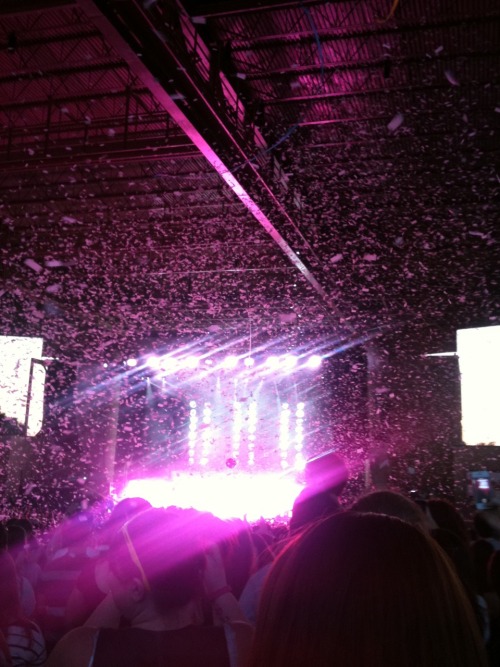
(370, 258)
(33, 265)
(451, 77)
(336, 258)
(396, 122)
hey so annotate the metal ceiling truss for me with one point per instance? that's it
(168, 56)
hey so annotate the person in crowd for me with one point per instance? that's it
(27, 555)
(461, 558)
(365, 590)
(90, 587)
(67, 553)
(445, 515)
(326, 477)
(161, 572)
(17, 546)
(487, 526)
(493, 599)
(4, 652)
(23, 638)
(238, 553)
(392, 503)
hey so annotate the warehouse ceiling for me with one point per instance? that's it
(247, 171)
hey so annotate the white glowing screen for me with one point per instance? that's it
(16, 367)
(479, 360)
(225, 495)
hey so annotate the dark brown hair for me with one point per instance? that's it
(365, 589)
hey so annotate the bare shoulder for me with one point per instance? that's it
(75, 649)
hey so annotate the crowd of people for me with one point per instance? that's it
(382, 582)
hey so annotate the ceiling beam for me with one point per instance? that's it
(226, 9)
(19, 7)
(344, 33)
(100, 155)
(115, 27)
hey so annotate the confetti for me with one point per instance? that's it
(396, 122)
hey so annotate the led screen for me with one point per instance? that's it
(479, 360)
(20, 358)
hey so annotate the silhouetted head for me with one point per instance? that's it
(393, 504)
(327, 472)
(161, 551)
(365, 589)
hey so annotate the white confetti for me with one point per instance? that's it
(396, 122)
(451, 77)
(438, 50)
(33, 265)
(53, 289)
(53, 263)
(370, 258)
(336, 258)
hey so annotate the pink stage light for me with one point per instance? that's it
(131, 363)
(227, 495)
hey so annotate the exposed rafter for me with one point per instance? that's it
(109, 17)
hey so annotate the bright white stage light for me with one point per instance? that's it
(191, 362)
(131, 363)
(284, 434)
(252, 429)
(153, 361)
(224, 494)
(168, 364)
(314, 361)
(237, 428)
(289, 361)
(230, 362)
(273, 362)
(249, 362)
(300, 462)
